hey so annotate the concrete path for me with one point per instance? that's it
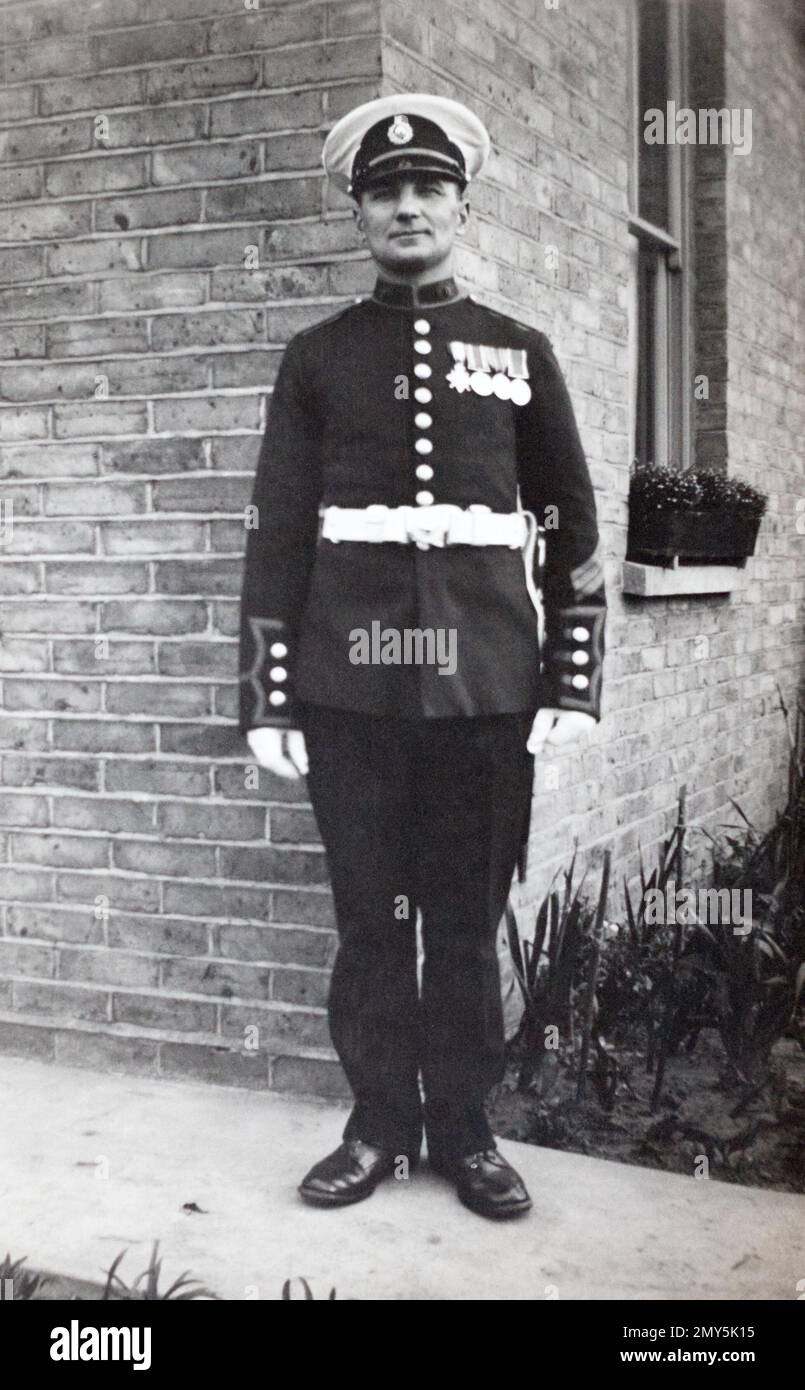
(598, 1230)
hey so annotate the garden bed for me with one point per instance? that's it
(763, 1146)
(674, 1035)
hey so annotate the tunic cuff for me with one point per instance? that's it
(573, 658)
(266, 688)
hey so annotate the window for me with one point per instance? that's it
(659, 238)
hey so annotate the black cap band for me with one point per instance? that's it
(405, 143)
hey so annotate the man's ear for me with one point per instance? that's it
(356, 213)
(463, 217)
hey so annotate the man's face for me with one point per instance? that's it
(411, 221)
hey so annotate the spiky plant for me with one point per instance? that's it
(146, 1285)
(545, 968)
(772, 867)
(308, 1292)
(19, 1284)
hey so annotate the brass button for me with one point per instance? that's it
(423, 395)
(424, 446)
(421, 326)
(421, 345)
(278, 649)
(422, 420)
(580, 634)
(580, 682)
(424, 471)
(277, 697)
(424, 499)
(278, 673)
(422, 370)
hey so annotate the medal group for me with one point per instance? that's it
(490, 371)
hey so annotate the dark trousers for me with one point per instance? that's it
(421, 814)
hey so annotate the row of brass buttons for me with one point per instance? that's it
(423, 421)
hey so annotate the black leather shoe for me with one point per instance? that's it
(485, 1182)
(350, 1173)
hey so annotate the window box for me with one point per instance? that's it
(725, 537)
(687, 516)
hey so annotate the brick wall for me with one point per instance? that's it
(158, 897)
(164, 228)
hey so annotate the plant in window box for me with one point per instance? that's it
(693, 516)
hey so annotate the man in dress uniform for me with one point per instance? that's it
(412, 439)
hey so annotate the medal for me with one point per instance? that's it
(478, 363)
(517, 367)
(481, 384)
(502, 387)
(458, 377)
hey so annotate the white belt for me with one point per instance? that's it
(439, 525)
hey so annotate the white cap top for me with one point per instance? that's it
(458, 124)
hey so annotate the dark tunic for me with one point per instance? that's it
(342, 429)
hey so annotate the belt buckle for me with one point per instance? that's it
(427, 530)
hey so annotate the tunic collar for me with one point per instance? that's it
(415, 296)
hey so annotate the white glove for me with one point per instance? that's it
(552, 726)
(266, 745)
(558, 726)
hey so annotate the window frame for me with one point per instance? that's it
(661, 394)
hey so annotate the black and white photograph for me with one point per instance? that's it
(402, 669)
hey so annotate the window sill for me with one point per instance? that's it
(661, 581)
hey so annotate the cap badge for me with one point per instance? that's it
(400, 131)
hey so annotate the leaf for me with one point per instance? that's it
(513, 938)
(740, 811)
(113, 1276)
